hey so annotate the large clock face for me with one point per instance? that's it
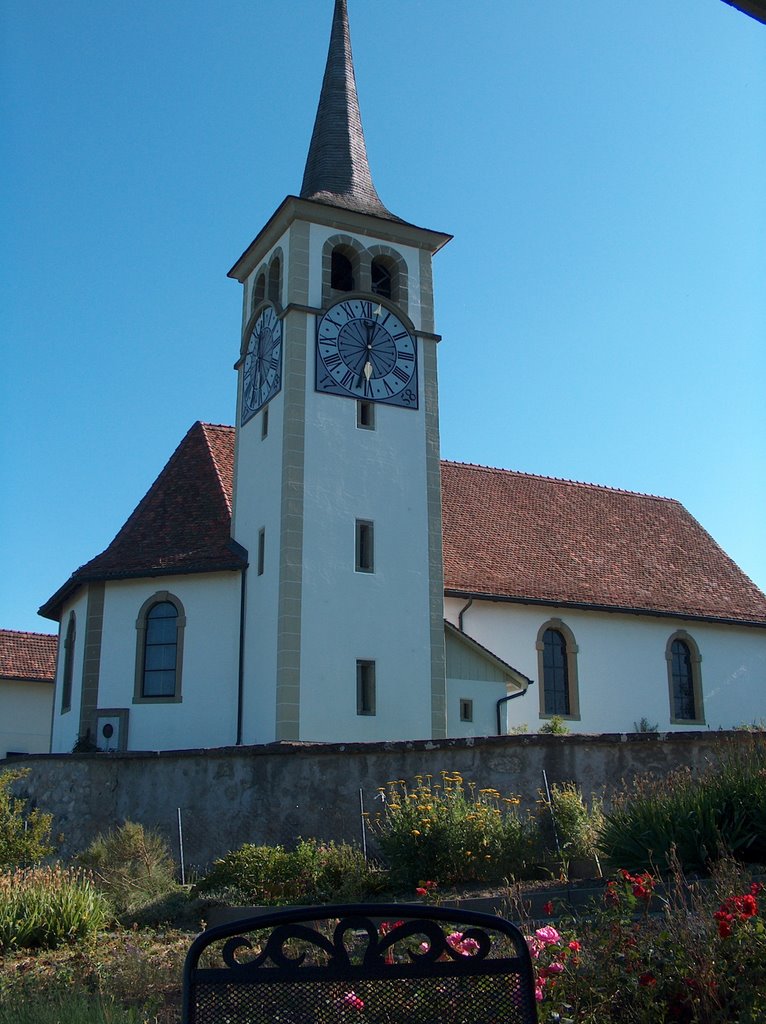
(262, 376)
(364, 351)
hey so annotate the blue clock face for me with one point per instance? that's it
(364, 351)
(262, 374)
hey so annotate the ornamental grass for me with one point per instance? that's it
(42, 907)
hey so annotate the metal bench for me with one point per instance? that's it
(364, 963)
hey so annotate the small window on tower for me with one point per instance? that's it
(466, 710)
(365, 687)
(342, 273)
(261, 550)
(365, 560)
(365, 415)
(265, 424)
(381, 278)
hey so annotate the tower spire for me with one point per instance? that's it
(337, 171)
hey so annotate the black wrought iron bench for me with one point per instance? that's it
(365, 963)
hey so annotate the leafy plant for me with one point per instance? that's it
(555, 726)
(646, 726)
(41, 907)
(452, 833)
(132, 865)
(577, 826)
(312, 873)
(24, 835)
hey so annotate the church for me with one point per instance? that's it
(317, 573)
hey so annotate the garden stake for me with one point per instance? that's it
(364, 834)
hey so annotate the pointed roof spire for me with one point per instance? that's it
(337, 171)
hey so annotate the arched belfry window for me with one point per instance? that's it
(68, 673)
(259, 291)
(381, 278)
(557, 671)
(684, 679)
(342, 272)
(275, 280)
(159, 649)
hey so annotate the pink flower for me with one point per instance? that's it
(533, 946)
(421, 891)
(555, 967)
(539, 992)
(574, 945)
(352, 999)
(547, 935)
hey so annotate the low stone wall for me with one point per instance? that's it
(278, 792)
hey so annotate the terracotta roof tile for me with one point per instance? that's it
(183, 523)
(523, 537)
(30, 657)
(507, 535)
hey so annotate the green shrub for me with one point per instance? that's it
(555, 726)
(700, 817)
(131, 865)
(24, 835)
(312, 873)
(444, 832)
(577, 826)
(41, 907)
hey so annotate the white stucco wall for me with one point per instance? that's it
(485, 695)
(25, 717)
(621, 662)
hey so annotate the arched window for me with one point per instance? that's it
(557, 670)
(380, 278)
(684, 683)
(68, 674)
(275, 289)
(259, 291)
(342, 272)
(160, 626)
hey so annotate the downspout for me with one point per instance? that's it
(241, 668)
(461, 614)
(504, 700)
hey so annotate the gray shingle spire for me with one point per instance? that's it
(337, 171)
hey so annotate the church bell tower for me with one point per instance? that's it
(337, 488)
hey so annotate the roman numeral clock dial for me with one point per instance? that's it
(262, 375)
(364, 351)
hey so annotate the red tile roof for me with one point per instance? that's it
(30, 657)
(507, 535)
(183, 523)
(531, 538)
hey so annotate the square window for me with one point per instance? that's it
(466, 710)
(365, 556)
(365, 687)
(365, 415)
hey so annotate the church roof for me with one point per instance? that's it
(507, 536)
(183, 523)
(30, 657)
(337, 170)
(528, 538)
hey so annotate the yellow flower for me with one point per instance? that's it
(415, 832)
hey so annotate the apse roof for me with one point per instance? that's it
(507, 536)
(28, 657)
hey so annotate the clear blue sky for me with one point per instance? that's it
(602, 165)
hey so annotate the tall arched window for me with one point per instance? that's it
(683, 660)
(342, 272)
(557, 670)
(275, 282)
(68, 673)
(160, 626)
(380, 277)
(259, 291)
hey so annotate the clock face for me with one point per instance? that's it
(364, 351)
(262, 376)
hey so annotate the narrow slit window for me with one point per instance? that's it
(365, 541)
(261, 550)
(365, 687)
(466, 710)
(365, 415)
(265, 424)
(66, 686)
(160, 650)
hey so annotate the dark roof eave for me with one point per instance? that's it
(613, 609)
(52, 607)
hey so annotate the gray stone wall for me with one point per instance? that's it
(278, 792)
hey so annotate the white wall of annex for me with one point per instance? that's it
(25, 717)
(378, 475)
(66, 727)
(485, 696)
(622, 669)
(207, 713)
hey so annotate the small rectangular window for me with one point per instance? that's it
(365, 557)
(365, 687)
(265, 424)
(365, 415)
(261, 550)
(466, 710)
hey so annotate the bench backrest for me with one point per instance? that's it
(362, 963)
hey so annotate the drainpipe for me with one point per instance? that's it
(462, 613)
(241, 669)
(504, 700)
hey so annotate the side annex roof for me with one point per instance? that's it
(27, 657)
